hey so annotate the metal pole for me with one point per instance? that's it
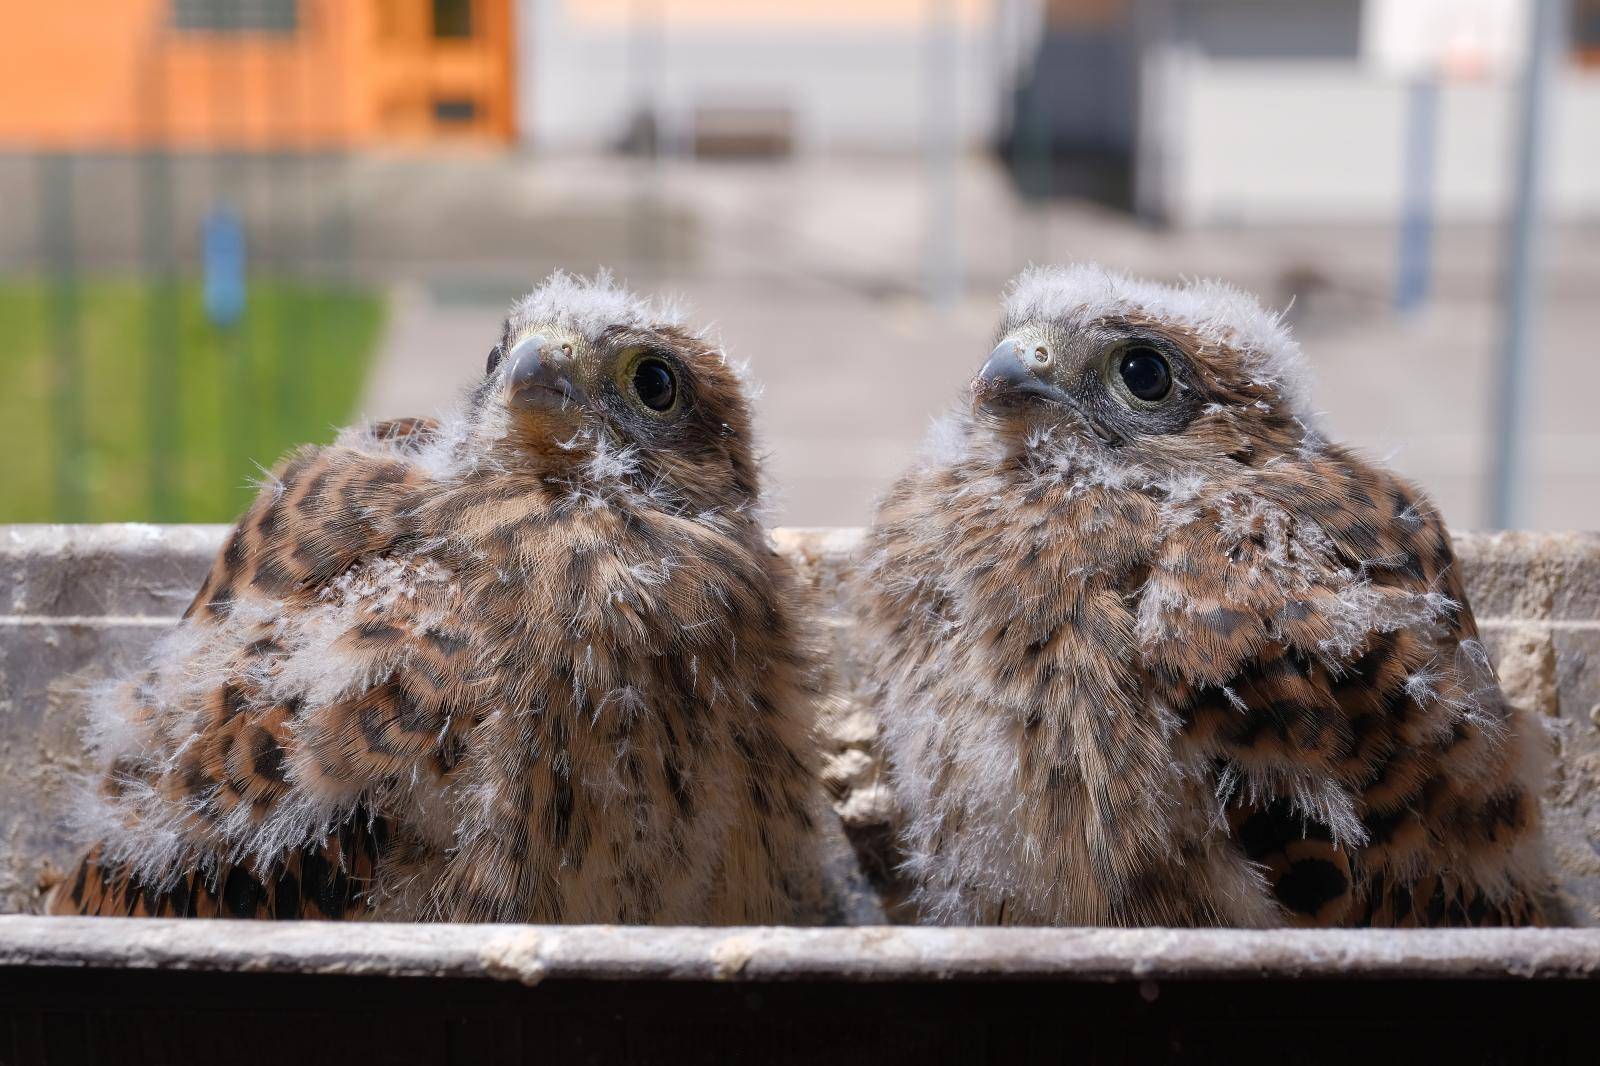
(229, 215)
(1157, 91)
(282, 238)
(1513, 386)
(943, 243)
(646, 48)
(1412, 279)
(59, 241)
(1032, 150)
(163, 294)
(163, 332)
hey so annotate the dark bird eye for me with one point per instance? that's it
(1146, 373)
(654, 384)
(494, 359)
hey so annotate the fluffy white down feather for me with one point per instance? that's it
(988, 857)
(1218, 312)
(152, 835)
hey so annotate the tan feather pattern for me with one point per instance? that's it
(1182, 661)
(534, 663)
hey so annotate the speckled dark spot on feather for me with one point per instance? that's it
(241, 893)
(233, 701)
(377, 632)
(266, 756)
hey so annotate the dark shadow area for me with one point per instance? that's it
(60, 1017)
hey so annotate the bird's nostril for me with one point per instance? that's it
(540, 374)
(1041, 355)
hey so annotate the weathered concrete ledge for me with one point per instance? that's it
(531, 954)
(82, 602)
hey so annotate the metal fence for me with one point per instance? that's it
(206, 261)
(225, 256)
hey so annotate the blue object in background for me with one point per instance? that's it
(1413, 278)
(222, 257)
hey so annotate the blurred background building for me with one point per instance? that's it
(257, 74)
(229, 225)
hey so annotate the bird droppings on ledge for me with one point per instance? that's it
(731, 955)
(514, 956)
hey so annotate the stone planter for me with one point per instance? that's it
(84, 601)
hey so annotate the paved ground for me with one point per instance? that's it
(813, 272)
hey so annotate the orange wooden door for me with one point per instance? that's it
(442, 69)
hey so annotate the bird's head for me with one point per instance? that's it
(1141, 372)
(594, 387)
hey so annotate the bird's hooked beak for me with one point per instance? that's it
(1014, 375)
(539, 373)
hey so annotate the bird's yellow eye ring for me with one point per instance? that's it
(1139, 375)
(649, 380)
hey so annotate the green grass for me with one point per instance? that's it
(173, 413)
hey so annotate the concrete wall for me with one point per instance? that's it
(1263, 141)
(82, 602)
(853, 86)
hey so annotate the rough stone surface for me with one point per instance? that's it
(531, 954)
(81, 603)
(78, 604)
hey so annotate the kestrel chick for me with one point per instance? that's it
(536, 662)
(1149, 649)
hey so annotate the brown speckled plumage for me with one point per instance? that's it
(534, 663)
(1182, 662)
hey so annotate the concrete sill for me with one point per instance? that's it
(82, 603)
(533, 954)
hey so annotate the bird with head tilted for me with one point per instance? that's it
(1148, 649)
(533, 662)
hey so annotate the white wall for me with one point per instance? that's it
(848, 89)
(1261, 141)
